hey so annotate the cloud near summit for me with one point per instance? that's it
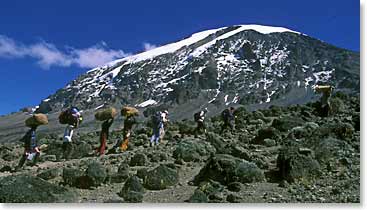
(47, 55)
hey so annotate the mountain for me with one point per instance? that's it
(244, 64)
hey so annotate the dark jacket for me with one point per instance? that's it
(30, 140)
(106, 126)
(129, 122)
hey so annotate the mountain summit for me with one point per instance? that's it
(251, 65)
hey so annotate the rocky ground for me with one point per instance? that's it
(275, 155)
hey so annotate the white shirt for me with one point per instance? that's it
(164, 117)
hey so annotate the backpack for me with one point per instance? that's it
(197, 116)
(157, 118)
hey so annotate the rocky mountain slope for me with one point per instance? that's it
(244, 64)
(277, 154)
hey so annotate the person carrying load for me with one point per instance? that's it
(326, 91)
(199, 118)
(228, 119)
(130, 114)
(106, 115)
(72, 117)
(31, 149)
(158, 119)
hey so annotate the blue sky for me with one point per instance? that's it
(46, 44)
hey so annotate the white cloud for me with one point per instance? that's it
(147, 46)
(8, 48)
(95, 56)
(48, 55)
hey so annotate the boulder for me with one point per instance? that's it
(270, 142)
(120, 175)
(266, 133)
(97, 174)
(28, 189)
(50, 173)
(294, 164)
(139, 159)
(226, 169)
(5, 169)
(232, 198)
(235, 186)
(218, 142)
(81, 149)
(240, 152)
(331, 150)
(51, 158)
(160, 178)
(71, 176)
(133, 190)
(210, 187)
(198, 197)
(142, 173)
(286, 123)
(207, 191)
(190, 150)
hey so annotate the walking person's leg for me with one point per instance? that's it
(103, 140)
(68, 149)
(22, 161)
(36, 157)
(125, 143)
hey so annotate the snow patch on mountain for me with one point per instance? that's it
(147, 103)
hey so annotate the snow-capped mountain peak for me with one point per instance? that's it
(247, 64)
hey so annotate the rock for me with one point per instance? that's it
(286, 123)
(270, 142)
(133, 190)
(305, 151)
(71, 176)
(96, 173)
(50, 173)
(330, 150)
(28, 189)
(340, 130)
(139, 159)
(160, 178)
(51, 158)
(9, 155)
(81, 149)
(189, 150)
(226, 169)
(240, 152)
(5, 169)
(117, 174)
(256, 122)
(163, 156)
(121, 175)
(198, 197)
(232, 198)
(311, 126)
(210, 187)
(283, 183)
(179, 162)
(55, 148)
(293, 165)
(216, 197)
(299, 132)
(142, 173)
(266, 133)
(218, 142)
(235, 186)
(141, 139)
